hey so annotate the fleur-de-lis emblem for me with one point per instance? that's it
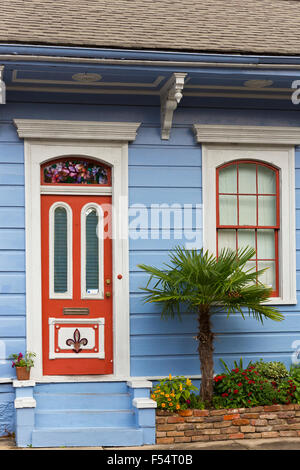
(77, 342)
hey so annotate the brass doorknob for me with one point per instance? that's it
(108, 294)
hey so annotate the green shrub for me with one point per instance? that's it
(248, 387)
(271, 370)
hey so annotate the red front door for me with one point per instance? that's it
(77, 321)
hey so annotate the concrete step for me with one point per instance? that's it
(82, 387)
(84, 418)
(89, 401)
(86, 437)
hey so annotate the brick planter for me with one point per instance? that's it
(260, 422)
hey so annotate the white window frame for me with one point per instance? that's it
(100, 230)
(69, 293)
(106, 142)
(282, 157)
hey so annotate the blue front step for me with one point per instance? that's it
(100, 401)
(83, 418)
(84, 414)
(86, 437)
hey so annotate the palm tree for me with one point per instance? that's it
(205, 284)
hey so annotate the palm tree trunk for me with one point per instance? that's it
(205, 348)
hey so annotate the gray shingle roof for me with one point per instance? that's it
(246, 26)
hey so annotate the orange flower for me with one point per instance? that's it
(163, 405)
(178, 407)
(170, 403)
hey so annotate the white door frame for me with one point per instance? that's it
(108, 143)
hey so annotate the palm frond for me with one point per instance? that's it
(197, 278)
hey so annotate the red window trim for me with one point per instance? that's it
(256, 227)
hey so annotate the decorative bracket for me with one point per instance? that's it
(2, 86)
(170, 96)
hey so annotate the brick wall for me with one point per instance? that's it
(216, 425)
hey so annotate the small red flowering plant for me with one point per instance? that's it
(246, 387)
(20, 360)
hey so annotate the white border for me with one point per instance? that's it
(69, 293)
(100, 354)
(101, 254)
(213, 155)
(114, 153)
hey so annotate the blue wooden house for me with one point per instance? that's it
(126, 130)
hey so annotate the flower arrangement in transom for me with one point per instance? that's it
(173, 393)
(20, 360)
(75, 172)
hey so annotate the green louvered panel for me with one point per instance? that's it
(60, 250)
(92, 251)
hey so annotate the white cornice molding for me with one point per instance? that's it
(275, 135)
(170, 96)
(76, 130)
(2, 86)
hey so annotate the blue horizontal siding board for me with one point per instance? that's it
(12, 304)
(155, 325)
(146, 197)
(11, 174)
(12, 261)
(11, 327)
(163, 366)
(151, 136)
(162, 345)
(137, 305)
(12, 217)
(11, 152)
(236, 324)
(163, 156)
(12, 239)
(8, 133)
(176, 177)
(12, 196)
(12, 283)
(161, 239)
(148, 258)
(12, 346)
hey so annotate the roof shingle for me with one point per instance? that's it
(224, 26)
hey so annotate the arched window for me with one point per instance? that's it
(248, 214)
(75, 170)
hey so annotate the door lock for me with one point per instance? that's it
(108, 294)
(108, 281)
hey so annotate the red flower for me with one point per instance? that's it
(224, 394)
(235, 391)
(240, 384)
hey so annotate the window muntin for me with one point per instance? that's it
(248, 213)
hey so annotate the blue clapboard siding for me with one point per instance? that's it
(12, 261)
(160, 172)
(160, 347)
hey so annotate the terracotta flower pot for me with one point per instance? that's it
(185, 412)
(23, 373)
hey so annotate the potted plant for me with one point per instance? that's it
(23, 364)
